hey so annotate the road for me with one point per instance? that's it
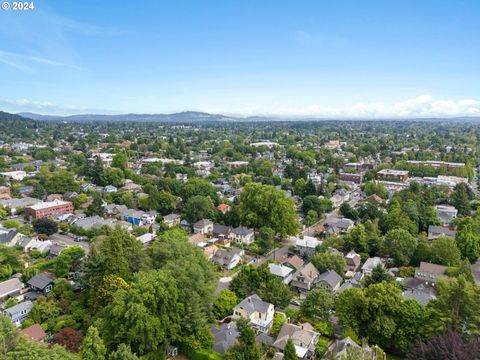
(476, 272)
(68, 241)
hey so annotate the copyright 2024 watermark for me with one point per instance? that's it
(18, 6)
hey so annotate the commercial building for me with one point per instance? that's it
(46, 209)
(395, 175)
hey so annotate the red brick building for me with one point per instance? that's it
(46, 209)
(355, 178)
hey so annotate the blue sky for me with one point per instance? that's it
(307, 58)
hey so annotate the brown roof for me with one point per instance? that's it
(432, 268)
(295, 261)
(34, 333)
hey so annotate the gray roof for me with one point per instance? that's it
(12, 311)
(219, 229)
(242, 231)
(171, 217)
(224, 257)
(40, 281)
(432, 229)
(421, 293)
(330, 277)
(253, 303)
(225, 337)
(202, 223)
(6, 235)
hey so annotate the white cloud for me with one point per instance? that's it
(423, 106)
(45, 107)
(24, 62)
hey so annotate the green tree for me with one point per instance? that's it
(378, 275)
(461, 199)
(45, 226)
(467, 239)
(328, 260)
(278, 320)
(318, 304)
(401, 245)
(264, 205)
(113, 176)
(123, 352)
(457, 307)
(371, 312)
(146, 315)
(198, 207)
(224, 304)
(266, 239)
(247, 348)
(397, 219)
(357, 239)
(8, 335)
(93, 347)
(444, 251)
(289, 353)
(120, 160)
(411, 317)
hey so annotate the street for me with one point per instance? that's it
(68, 241)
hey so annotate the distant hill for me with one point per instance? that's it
(186, 116)
(195, 116)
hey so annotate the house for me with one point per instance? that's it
(338, 226)
(148, 218)
(19, 312)
(348, 284)
(285, 273)
(114, 209)
(422, 294)
(41, 283)
(133, 216)
(34, 333)
(224, 208)
(203, 226)
(35, 244)
(242, 235)
(93, 222)
(228, 259)
(446, 213)
(429, 273)
(10, 288)
(109, 189)
(303, 337)
(304, 279)
(209, 251)
(225, 337)
(434, 232)
(307, 246)
(221, 231)
(371, 264)
(329, 281)
(56, 249)
(14, 204)
(259, 312)
(353, 261)
(295, 262)
(339, 350)
(146, 238)
(7, 235)
(172, 220)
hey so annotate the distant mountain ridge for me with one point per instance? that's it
(196, 116)
(176, 117)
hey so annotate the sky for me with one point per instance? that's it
(327, 59)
